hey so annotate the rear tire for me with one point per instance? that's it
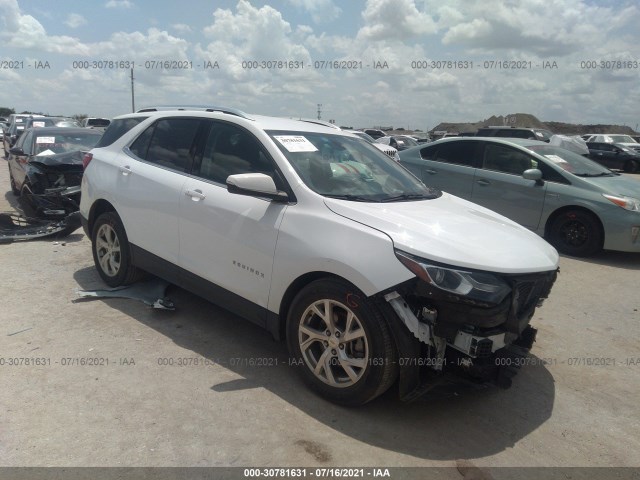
(576, 233)
(341, 343)
(112, 252)
(27, 202)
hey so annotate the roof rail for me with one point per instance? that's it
(203, 108)
(320, 122)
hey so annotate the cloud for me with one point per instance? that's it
(75, 20)
(181, 27)
(551, 28)
(321, 11)
(395, 19)
(25, 32)
(255, 34)
(119, 4)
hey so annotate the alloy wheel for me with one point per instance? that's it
(108, 250)
(333, 343)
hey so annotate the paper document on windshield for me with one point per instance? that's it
(556, 159)
(296, 143)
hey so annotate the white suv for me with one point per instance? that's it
(321, 238)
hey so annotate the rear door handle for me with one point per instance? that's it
(484, 183)
(196, 195)
(430, 172)
(126, 170)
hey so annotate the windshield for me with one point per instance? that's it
(545, 135)
(621, 139)
(569, 161)
(349, 168)
(366, 136)
(406, 141)
(63, 143)
(98, 122)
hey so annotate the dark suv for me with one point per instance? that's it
(515, 132)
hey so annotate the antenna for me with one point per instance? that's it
(133, 101)
(319, 111)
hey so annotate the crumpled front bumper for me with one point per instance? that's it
(441, 338)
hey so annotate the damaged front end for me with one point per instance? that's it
(54, 185)
(469, 325)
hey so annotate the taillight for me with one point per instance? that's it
(86, 160)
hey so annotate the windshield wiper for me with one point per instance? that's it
(353, 198)
(601, 174)
(408, 196)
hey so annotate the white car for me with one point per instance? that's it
(387, 149)
(314, 234)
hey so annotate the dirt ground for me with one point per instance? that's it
(575, 405)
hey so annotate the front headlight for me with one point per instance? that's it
(628, 203)
(481, 286)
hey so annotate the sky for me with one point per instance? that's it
(400, 63)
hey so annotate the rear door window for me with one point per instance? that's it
(118, 128)
(457, 153)
(172, 143)
(501, 158)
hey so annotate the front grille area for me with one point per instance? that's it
(527, 292)
(391, 153)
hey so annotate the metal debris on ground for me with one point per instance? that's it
(151, 292)
(16, 227)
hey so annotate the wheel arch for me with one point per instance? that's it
(98, 208)
(567, 208)
(632, 165)
(294, 288)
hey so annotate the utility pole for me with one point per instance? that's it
(133, 96)
(319, 110)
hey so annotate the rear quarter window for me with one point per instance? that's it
(117, 129)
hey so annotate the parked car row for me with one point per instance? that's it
(579, 206)
(318, 235)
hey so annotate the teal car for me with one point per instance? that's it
(578, 206)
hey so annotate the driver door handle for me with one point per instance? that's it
(430, 172)
(196, 195)
(483, 182)
(126, 170)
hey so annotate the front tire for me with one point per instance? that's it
(576, 233)
(341, 343)
(632, 166)
(14, 189)
(111, 251)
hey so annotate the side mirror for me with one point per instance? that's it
(533, 174)
(255, 185)
(16, 151)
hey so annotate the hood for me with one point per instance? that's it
(456, 232)
(60, 161)
(618, 185)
